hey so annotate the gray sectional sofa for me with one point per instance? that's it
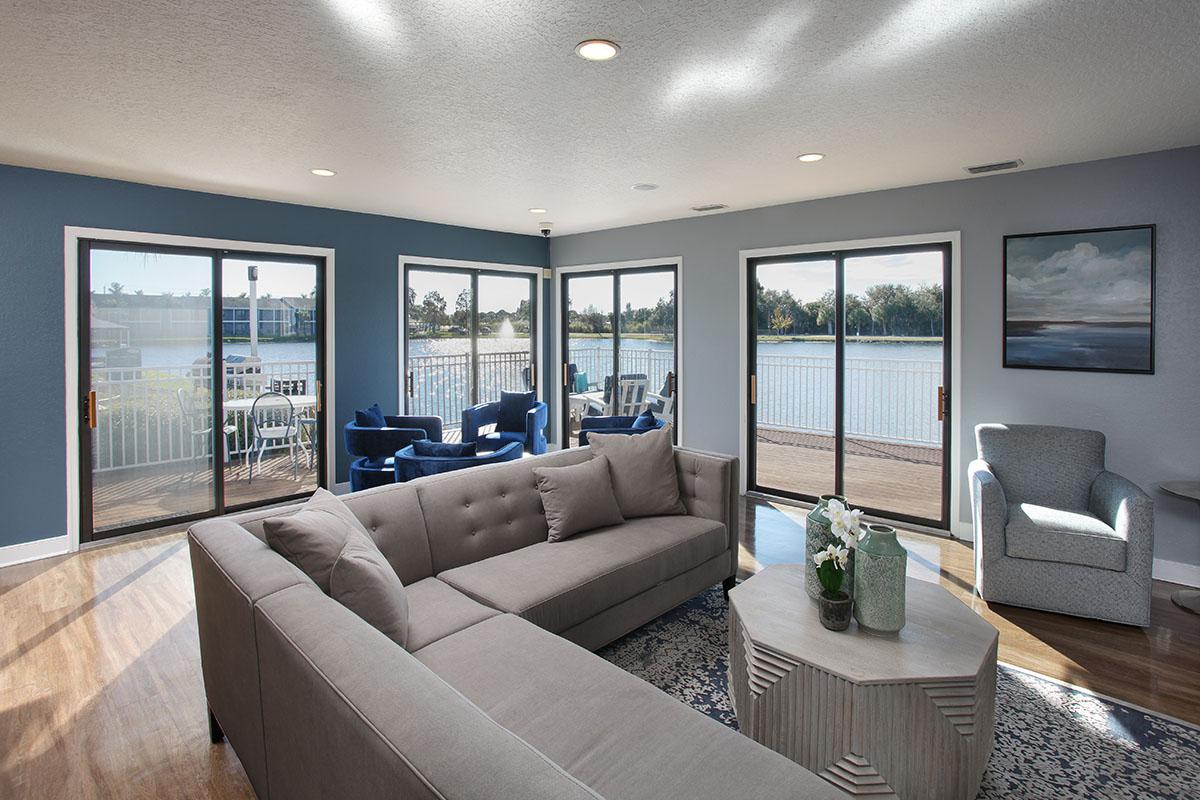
(497, 694)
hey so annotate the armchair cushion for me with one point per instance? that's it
(424, 447)
(645, 421)
(1066, 537)
(1046, 465)
(370, 417)
(497, 439)
(513, 408)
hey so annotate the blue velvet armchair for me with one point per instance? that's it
(373, 448)
(409, 465)
(532, 438)
(619, 424)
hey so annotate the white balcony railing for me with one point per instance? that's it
(142, 420)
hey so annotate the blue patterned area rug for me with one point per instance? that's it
(1053, 742)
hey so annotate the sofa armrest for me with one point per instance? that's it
(1129, 511)
(536, 420)
(708, 486)
(349, 713)
(989, 514)
(476, 417)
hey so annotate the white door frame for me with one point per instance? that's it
(666, 261)
(421, 261)
(957, 527)
(71, 236)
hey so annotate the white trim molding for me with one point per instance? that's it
(957, 527)
(71, 236)
(453, 263)
(32, 551)
(675, 262)
(1177, 572)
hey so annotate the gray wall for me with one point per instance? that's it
(1150, 420)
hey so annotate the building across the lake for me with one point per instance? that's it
(156, 317)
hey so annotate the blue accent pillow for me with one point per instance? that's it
(645, 421)
(513, 408)
(581, 382)
(424, 447)
(370, 417)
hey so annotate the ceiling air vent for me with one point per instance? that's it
(710, 207)
(999, 166)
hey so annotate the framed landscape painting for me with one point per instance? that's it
(1080, 300)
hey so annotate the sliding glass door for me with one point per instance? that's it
(200, 373)
(469, 334)
(618, 363)
(849, 367)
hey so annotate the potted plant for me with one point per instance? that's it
(834, 604)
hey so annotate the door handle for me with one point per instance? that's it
(90, 411)
(318, 397)
(941, 403)
(753, 390)
(408, 383)
(670, 384)
(564, 374)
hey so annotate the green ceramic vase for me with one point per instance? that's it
(879, 580)
(818, 536)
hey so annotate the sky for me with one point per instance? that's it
(640, 289)
(496, 292)
(157, 273)
(808, 281)
(1102, 276)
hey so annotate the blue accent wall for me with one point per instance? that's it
(35, 205)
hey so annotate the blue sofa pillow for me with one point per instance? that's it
(370, 417)
(424, 447)
(645, 421)
(513, 408)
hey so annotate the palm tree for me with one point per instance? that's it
(115, 288)
(781, 320)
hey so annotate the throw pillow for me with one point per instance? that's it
(314, 536)
(363, 581)
(577, 498)
(645, 421)
(425, 447)
(513, 408)
(643, 471)
(370, 417)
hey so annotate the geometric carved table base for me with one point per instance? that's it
(912, 736)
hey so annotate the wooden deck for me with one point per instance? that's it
(126, 497)
(896, 478)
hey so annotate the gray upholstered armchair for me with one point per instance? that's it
(1054, 530)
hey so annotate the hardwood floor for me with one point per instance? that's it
(101, 694)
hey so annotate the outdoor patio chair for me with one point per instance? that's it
(630, 398)
(269, 426)
(200, 425)
(293, 387)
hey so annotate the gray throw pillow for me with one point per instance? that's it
(577, 498)
(363, 581)
(314, 536)
(643, 471)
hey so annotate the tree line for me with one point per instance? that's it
(886, 309)
(659, 318)
(432, 314)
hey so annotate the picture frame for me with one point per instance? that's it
(1080, 300)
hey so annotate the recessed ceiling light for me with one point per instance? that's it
(322, 172)
(537, 211)
(808, 158)
(645, 187)
(597, 50)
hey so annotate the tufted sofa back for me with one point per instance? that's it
(497, 510)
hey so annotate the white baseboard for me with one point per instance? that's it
(1177, 572)
(30, 551)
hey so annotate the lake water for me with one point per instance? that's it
(1079, 345)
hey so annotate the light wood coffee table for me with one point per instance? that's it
(909, 716)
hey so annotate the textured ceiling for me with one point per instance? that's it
(472, 111)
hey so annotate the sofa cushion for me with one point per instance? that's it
(578, 498)
(643, 471)
(513, 408)
(610, 730)
(1067, 537)
(314, 536)
(370, 417)
(425, 447)
(363, 581)
(436, 610)
(579, 577)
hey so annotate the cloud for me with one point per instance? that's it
(1090, 280)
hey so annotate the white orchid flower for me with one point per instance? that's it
(821, 557)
